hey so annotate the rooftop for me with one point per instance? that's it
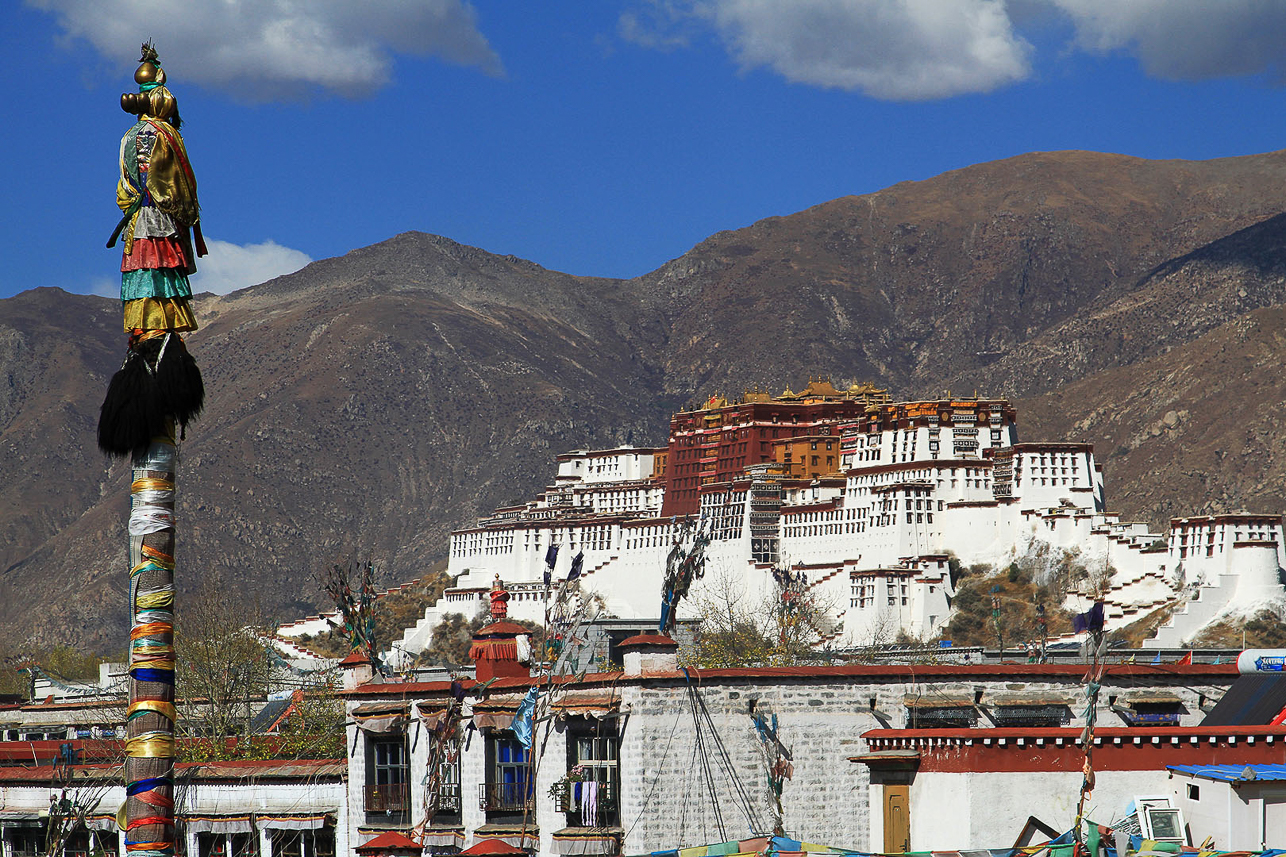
(1233, 773)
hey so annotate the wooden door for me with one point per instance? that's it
(897, 819)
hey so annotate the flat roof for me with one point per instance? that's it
(842, 672)
(1233, 773)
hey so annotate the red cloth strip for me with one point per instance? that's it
(151, 253)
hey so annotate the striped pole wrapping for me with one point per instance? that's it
(149, 760)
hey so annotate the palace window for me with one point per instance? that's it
(223, 844)
(304, 843)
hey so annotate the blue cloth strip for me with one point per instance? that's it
(147, 785)
(160, 676)
(155, 283)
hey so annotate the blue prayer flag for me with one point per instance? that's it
(522, 722)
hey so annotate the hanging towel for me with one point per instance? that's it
(589, 804)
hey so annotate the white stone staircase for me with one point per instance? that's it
(1207, 601)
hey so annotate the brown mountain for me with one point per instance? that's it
(927, 283)
(374, 401)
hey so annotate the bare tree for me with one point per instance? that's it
(224, 668)
(783, 627)
(75, 795)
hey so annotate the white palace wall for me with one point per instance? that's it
(971, 492)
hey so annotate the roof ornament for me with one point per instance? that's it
(499, 600)
(153, 98)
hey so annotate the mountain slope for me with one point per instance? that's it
(372, 402)
(928, 282)
(1197, 430)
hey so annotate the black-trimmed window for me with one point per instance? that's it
(225, 844)
(509, 790)
(388, 782)
(590, 794)
(25, 841)
(946, 716)
(448, 802)
(1159, 713)
(1034, 715)
(304, 843)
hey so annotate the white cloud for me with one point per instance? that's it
(229, 267)
(1188, 40)
(908, 50)
(106, 287)
(890, 49)
(664, 25)
(267, 50)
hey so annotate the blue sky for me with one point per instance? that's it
(594, 138)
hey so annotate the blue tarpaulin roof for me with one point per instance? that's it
(1232, 773)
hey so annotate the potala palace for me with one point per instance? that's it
(868, 500)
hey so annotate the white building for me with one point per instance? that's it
(223, 809)
(993, 744)
(916, 483)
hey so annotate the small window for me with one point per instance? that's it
(1194, 791)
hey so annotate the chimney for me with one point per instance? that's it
(501, 649)
(357, 669)
(646, 654)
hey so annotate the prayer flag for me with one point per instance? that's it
(522, 722)
(1090, 620)
(577, 564)
(551, 559)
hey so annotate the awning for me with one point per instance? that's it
(1159, 697)
(219, 823)
(493, 720)
(495, 715)
(510, 834)
(576, 841)
(390, 842)
(444, 837)
(19, 815)
(1030, 701)
(599, 706)
(294, 822)
(935, 700)
(381, 717)
(101, 822)
(435, 716)
(369, 708)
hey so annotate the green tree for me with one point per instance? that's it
(454, 635)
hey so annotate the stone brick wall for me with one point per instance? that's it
(669, 768)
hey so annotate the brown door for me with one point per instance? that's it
(897, 819)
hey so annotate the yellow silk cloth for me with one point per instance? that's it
(170, 183)
(161, 707)
(159, 314)
(150, 745)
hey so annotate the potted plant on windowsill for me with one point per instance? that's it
(563, 790)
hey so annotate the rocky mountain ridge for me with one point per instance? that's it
(372, 402)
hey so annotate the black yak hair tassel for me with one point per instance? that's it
(159, 381)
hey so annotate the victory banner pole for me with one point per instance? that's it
(157, 390)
